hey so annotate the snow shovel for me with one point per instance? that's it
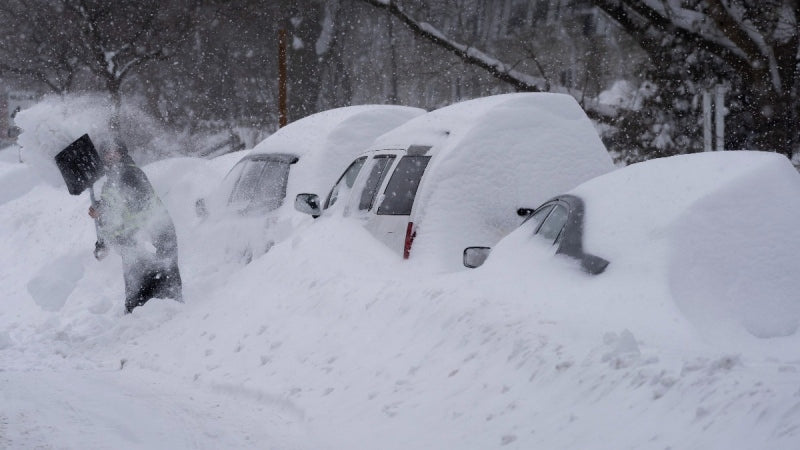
(81, 167)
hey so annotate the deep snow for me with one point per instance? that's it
(330, 341)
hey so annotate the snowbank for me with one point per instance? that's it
(15, 178)
(718, 226)
(329, 341)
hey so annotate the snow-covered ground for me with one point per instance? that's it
(331, 341)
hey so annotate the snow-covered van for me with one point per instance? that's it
(304, 156)
(459, 175)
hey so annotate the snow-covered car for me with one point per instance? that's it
(558, 222)
(719, 230)
(458, 175)
(304, 156)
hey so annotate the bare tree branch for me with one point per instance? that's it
(499, 70)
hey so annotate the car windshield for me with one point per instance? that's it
(261, 184)
(552, 226)
(534, 220)
(402, 187)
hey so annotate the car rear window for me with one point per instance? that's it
(261, 185)
(380, 164)
(398, 198)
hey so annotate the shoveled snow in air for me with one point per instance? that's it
(330, 340)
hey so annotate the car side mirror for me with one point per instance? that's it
(308, 204)
(525, 212)
(200, 208)
(475, 256)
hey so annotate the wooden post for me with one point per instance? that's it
(5, 116)
(282, 77)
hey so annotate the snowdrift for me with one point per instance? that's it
(329, 341)
(719, 227)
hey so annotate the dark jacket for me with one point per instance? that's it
(131, 217)
(130, 210)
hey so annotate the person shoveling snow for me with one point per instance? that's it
(134, 222)
(130, 217)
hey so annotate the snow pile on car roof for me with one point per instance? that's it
(493, 156)
(328, 141)
(720, 227)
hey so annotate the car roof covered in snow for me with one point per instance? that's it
(644, 201)
(494, 155)
(335, 127)
(326, 142)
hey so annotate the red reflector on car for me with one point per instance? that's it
(410, 235)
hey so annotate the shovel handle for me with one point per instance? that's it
(96, 220)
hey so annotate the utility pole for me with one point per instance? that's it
(393, 100)
(283, 120)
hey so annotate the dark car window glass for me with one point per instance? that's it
(376, 176)
(398, 198)
(551, 227)
(346, 180)
(534, 220)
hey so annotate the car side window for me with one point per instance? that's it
(380, 164)
(553, 224)
(402, 187)
(345, 181)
